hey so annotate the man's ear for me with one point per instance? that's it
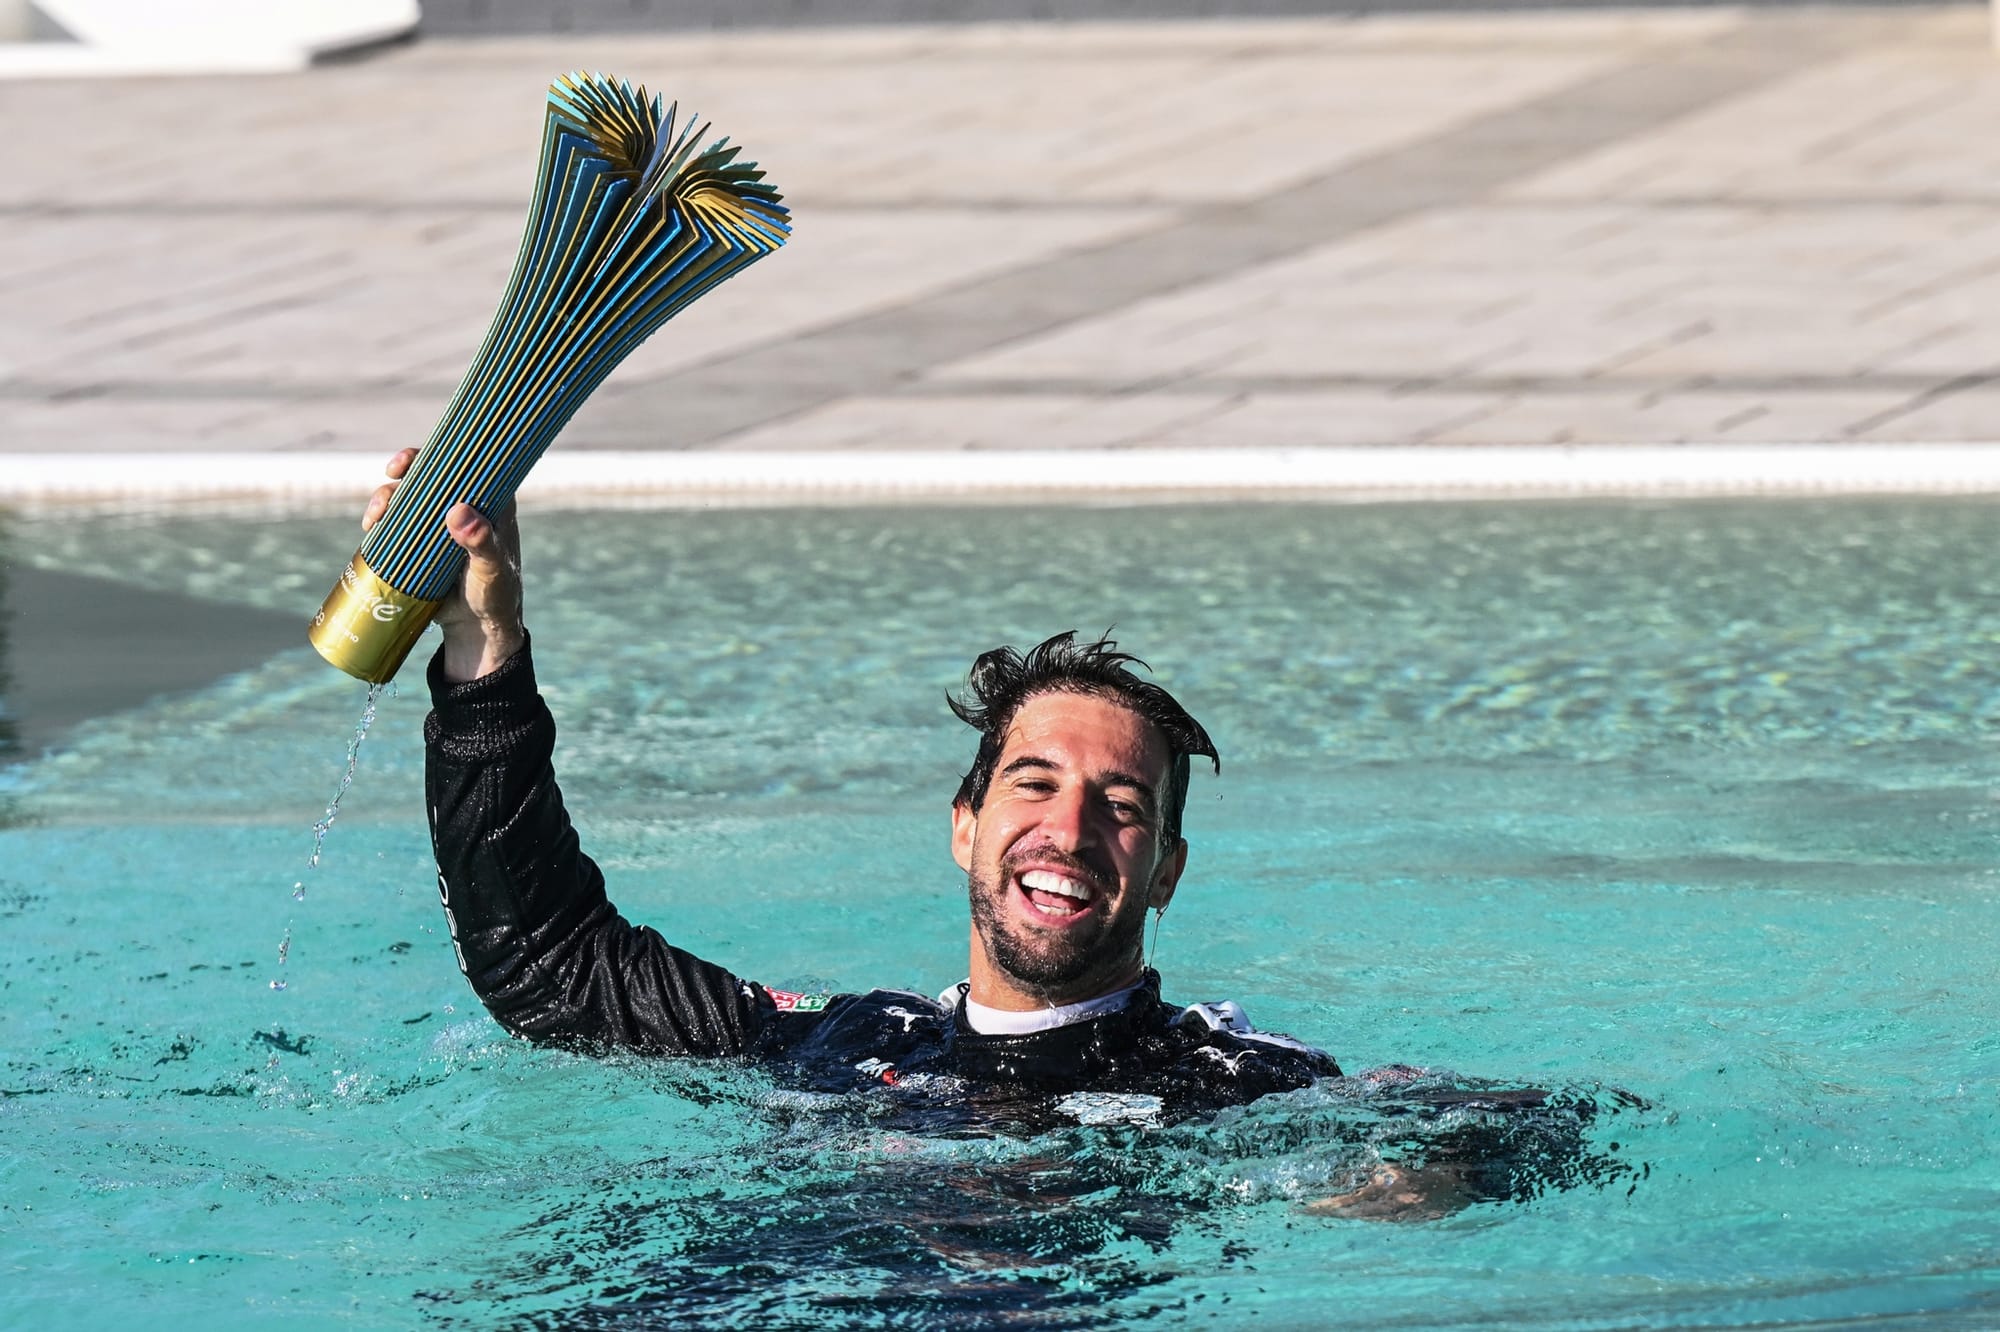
(1168, 876)
(964, 823)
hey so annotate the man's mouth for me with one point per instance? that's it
(1054, 895)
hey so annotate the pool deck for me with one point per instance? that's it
(1242, 244)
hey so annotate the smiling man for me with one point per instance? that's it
(1068, 825)
(1068, 828)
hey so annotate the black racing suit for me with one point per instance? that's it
(554, 961)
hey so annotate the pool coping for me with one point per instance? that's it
(669, 478)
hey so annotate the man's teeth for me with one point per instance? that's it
(1046, 881)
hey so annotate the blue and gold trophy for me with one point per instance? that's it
(631, 220)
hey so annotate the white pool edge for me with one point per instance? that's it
(668, 478)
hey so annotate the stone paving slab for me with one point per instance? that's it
(1608, 227)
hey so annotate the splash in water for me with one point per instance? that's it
(346, 779)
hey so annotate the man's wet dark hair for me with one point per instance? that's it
(1003, 679)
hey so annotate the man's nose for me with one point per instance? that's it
(1066, 819)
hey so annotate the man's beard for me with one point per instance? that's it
(1056, 959)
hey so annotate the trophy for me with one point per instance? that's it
(631, 220)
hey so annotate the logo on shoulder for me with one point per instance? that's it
(790, 1001)
(1229, 1016)
(1225, 1016)
(878, 1068)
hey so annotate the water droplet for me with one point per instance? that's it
(347, 777)
(277, 985)
(299, 891)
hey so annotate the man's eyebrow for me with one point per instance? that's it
(1144, 788)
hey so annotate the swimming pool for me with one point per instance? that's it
(1690, 800)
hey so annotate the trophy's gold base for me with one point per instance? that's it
(367, 627)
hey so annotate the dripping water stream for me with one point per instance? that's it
(346, 778)
(325, 822)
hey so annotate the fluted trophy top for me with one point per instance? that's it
(632, 218)
(646, 138)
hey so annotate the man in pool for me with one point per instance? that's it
(1068, 828)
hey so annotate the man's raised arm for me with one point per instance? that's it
(545, 950)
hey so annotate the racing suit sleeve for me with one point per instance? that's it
(543, 947)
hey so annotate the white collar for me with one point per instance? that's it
(1007, 1022)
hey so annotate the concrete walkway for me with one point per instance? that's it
(1601, 227)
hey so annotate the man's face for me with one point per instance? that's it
(1063, 858)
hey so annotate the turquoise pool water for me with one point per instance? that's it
(1694, 801)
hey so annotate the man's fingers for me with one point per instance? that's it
(468, 527)
(475, 534)
(491, 588)
(377, 504)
